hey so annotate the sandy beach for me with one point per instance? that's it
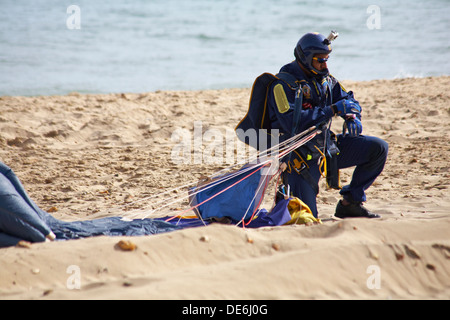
(82, 157)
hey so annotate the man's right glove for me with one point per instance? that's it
(344, 107)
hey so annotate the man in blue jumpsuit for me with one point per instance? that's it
(323, 98)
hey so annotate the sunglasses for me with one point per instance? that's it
(320, 60)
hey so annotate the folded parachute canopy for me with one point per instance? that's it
(236, 196)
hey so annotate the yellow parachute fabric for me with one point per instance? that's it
(300, 213)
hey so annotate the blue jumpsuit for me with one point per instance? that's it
(367, 153)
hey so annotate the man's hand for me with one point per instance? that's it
(344, 107)
(354, 126)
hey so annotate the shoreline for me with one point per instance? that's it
(75, 92)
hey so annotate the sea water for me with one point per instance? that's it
(52, 47)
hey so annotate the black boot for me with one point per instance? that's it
(353, 210)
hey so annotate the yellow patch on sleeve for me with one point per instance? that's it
(280, 98)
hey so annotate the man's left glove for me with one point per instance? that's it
(344, 107)
(354, 126)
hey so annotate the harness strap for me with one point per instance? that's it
(298, 106)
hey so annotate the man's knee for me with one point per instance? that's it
(380, 147)
(378, 151)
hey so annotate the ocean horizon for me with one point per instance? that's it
(50, 47)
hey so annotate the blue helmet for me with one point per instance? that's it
(311, 44)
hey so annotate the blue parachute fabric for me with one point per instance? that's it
(214, 200)
(278, 216)
(183, 223)
(7, 240)
(110, 226)
(22, 219)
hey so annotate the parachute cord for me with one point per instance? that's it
(199, 189)
(323, 164)
(279, 173)
(266, 183)
(257, 207)
(282, 149)
(300, 142)
(285, 150)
